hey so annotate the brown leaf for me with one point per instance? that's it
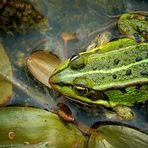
(41, 64)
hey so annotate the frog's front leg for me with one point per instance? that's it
(134, 26)
(124, 112)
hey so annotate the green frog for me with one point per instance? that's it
(114, 74)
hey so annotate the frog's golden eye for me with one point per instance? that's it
(77, 62)
(81, 90)
(82, 85)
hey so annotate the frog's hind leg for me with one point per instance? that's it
(134, 26)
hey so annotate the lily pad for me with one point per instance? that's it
(21, 126)
(115, 136)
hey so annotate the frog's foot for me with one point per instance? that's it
(124, 112)
(134, 26)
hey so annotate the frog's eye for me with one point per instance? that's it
(77, 62)
(81, 90)
(82, 85)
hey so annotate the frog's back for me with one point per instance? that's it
(119, 67)
(120, 74)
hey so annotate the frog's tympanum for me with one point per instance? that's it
(111, 75)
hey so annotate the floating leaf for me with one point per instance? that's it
(41, 64)
(30, 126)
(5, 72)
(115, 136)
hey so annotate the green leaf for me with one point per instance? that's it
(115, 136)
(29, 126)
(5, 72)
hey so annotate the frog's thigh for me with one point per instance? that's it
(128, 30)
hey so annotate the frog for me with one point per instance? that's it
(114, 74)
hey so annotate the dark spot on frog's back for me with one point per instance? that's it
(114, 76)
(144, 73)
(128, 72)
(126, 53)
(138, 59)
(116, 61)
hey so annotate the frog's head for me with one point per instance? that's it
(73, 79)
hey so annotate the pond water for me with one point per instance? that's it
(83, 18)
